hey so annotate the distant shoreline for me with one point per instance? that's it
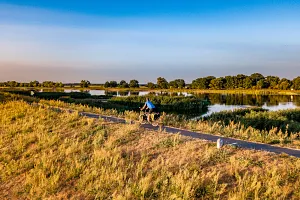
(236, 91)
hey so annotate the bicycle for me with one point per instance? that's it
(154, 118)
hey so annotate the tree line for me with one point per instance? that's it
(122, 84)
(47, 84)
(35, 83)
(240, 81)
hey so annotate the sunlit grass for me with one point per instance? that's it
(227, 124)
(58, 155)
(233, 129)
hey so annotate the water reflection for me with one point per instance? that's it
(252, 100)
(218, 108)
(123, 93)
(223, 107)
(280, 106)
(219, 102)
(96, 92)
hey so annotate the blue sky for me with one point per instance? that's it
(114, 40)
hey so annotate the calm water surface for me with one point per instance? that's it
(219, 102)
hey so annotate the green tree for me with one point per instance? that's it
(12, 84)
(261, 84)
(284, 84)
(134, 84)
(217, 83)
(256, 77)
(180, 83)
(240, 78)
(150, 85)
(202, 83)
(107, 84)
(229, 82)
(49, 84)
(113, 84)
(34, 83)
(85, 83)
(162, 83)
(199, 83)
(173, 84)
(296, 83)
(272, 82)
(248, 83)
(123, 84)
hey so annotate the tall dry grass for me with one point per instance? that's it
(233, 129)
(57, 155)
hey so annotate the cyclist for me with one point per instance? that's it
(150, 107)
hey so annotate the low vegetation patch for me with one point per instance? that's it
(171, 104)
(283, 120)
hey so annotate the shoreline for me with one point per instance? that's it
(197, 91)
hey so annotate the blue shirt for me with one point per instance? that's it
(150, 104)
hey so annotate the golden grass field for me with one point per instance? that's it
(234, 130)
(56, 155)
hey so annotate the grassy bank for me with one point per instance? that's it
(277, 128)
(231, 128)
(52, 155)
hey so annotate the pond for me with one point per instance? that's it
(119, 93)
(219, 102)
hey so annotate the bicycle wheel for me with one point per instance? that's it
(141, 119)
(155, 123)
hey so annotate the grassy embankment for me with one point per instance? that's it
(281, 128)
(52, 155)
(228, 124)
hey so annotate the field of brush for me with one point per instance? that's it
(57, 155)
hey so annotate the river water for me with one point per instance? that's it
(219, 102)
